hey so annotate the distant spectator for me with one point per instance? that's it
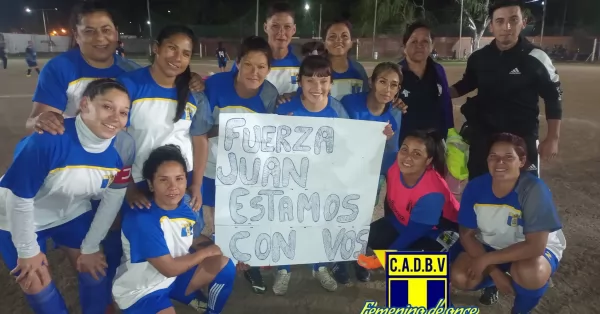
(120, 50)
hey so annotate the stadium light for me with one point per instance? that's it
(29, 10)
(306, 7)
(148, 22)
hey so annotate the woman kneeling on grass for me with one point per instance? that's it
(161, 262)
(508, 223)
(420, 210)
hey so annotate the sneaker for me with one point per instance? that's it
(362, 274)
(489, 296)
(325, 278)
(200, 303)
(369, 262)
(255, 278)
(282, 280)
(340, 273)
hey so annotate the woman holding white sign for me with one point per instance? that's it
(315, 80)
(508, 225)
(243, 91)
(420, 210)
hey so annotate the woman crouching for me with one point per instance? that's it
(161, 260)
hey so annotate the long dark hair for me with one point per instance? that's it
(434, 145)
(182, 81)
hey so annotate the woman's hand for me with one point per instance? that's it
(136, 198)
(29, 267)
(282, 99)
(196, 83)
(398, 103)
(196, 197)
(93, 264)
(242, 266)
(51, 122)
(388, 131)
(478, 266)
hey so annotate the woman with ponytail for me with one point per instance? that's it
(420, 211)
(164, 111)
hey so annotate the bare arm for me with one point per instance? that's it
(200, 144)
(50, 123)
(173, 267)
(533, 246)
(474, 248)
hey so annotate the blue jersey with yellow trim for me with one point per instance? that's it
(64, 78)
(295, 107)
(284, 72)
(149, 234)
(151, 117)
(354, 80)
(505, 221)
(61, 176)
(222, 97)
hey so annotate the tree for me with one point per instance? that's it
(392, 16)
(475, 16)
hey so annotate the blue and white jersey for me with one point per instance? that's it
(356, 106)
(151, 125)
(502, 222)
(354, 80)
(64, 78)
(149, 234)
(284, 72)
(295, 107)
(61, 176)
(222, 97)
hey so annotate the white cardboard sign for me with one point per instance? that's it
(295, 190)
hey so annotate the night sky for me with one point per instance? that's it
(13, 16)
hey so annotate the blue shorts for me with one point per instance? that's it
(457, 248)
(70, 234)
(208, 191)
(31, 63)
(222, 63)
(161, 299)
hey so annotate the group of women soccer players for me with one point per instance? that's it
(116, 173)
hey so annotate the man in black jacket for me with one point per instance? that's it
(510, 74)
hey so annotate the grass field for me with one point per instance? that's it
(574, 178)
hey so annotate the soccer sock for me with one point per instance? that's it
(28, 71)
(93, 295)
(48, 301)
(220, 289)
(525, 299)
